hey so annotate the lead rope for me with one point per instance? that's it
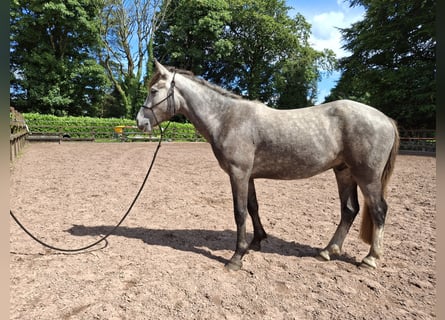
(169, 95)
(120, 222)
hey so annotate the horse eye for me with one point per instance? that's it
(153, 91)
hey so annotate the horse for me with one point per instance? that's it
(253, 141)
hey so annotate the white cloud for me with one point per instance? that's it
(325, 33)
(323, 24)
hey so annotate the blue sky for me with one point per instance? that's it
(325, 16)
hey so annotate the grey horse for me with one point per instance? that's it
(251, 140)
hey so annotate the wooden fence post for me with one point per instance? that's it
(18, 133)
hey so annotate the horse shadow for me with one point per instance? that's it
(204, 242)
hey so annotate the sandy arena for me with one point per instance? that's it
(167, 259)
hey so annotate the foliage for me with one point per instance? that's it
(81, 57)
(292, 82)
(393, 61)
(191, 36)
(126, 31)
(36, 119)
(52, 48)
(82, 127)
(248, 47)
(93, 57)
(74, 126)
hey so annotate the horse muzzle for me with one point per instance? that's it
(144, 125)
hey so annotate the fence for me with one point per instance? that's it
(18, 133)
(418, 142)
(411, 141)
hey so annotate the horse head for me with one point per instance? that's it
(161, 103)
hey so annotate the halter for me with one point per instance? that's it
(170, 102)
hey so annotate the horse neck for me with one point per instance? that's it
(204, 107)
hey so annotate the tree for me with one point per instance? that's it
(191, 37)
(127, 33)
(393, 61)
(297, 81)
(263, 35)
(244, 46)
(52, 49)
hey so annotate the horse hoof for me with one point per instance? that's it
(369, 262)
(324, 255)
(233, 266)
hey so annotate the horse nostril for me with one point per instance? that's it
(144, 125)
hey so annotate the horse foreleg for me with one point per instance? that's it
(347, 188)
(258, 231)
(240, 195)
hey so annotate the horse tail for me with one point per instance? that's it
(367, 224)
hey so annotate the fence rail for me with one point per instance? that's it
(418, 142)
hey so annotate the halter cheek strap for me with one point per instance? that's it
(170, 102)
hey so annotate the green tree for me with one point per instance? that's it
(393, 61)
(297, 81)
(52, 50)
(127, 34)
(247, 46)
(298, 78)
(191, 37)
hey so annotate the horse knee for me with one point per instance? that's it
(348, 213)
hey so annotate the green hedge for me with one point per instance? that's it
(103, 128)
(36, 119)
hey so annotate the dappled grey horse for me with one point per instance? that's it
(251, 140)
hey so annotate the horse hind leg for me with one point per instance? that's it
(347, 188)
(376, 208)
(258, 231)
(372, 228)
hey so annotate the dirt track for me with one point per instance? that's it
(166, 261)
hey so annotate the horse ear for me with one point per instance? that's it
(161, 69)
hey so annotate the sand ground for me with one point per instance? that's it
(166, 260)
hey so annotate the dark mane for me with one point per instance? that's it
(191, 76)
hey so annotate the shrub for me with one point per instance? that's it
(102, 128)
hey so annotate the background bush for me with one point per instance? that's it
(103, 128)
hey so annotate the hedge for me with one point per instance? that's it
(103, 128)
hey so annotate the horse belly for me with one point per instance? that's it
(288, 167)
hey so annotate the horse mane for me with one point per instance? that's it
(191, 76)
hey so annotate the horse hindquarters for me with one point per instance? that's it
(372, 183)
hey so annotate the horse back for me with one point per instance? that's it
(300, 143)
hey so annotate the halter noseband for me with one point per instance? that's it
(170, 102)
